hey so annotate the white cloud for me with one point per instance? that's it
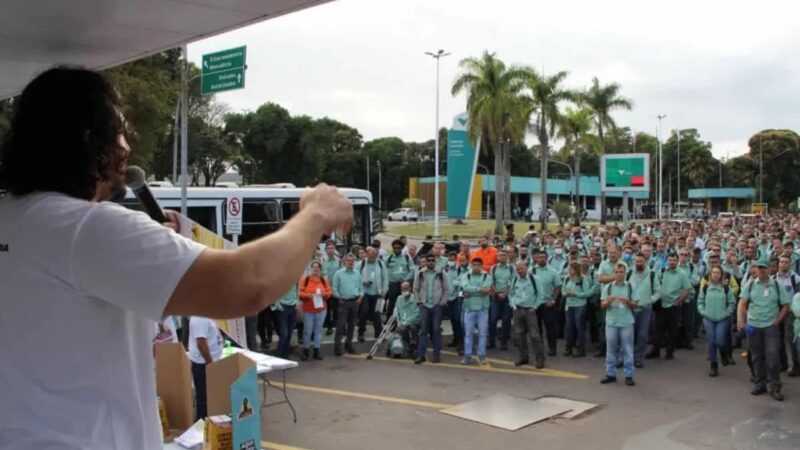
(727, 68)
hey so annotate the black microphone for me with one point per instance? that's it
(135, 179)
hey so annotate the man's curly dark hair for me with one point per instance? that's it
(63, 135)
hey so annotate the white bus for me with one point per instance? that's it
(265, 210)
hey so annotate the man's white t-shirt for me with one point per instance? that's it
(81, 285)
(200, 327)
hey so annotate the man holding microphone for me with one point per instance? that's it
(104, 274)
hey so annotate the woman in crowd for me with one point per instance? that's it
(716, 304)
(577, 290)
(315, 290)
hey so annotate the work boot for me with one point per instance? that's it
(795, 371)
(758, 390)
(337, 351)
(567, 352)
(638, 365)
(490, 345)
(714, 370)
(304, 357)
(669, 356)
(360, 338)
(521, 362)
(776, 394)
(540, 362)
(608, 379)
(652, 354)
(436, 359)
(580, 353)
(629, 381)
(419, 360)
(723, 358)
(350, 350)
(317, 355)
(503, 345)
(551, 352)
(329, 332)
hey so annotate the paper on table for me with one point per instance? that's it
(317, 301)
(192, 437)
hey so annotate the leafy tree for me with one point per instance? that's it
(781, 150)
(496, 113)
(149, 91)
(603, 100)
(697, 162)
(546, 94)
(574, 129)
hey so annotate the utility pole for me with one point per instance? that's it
(185, 132)
(438, 56)
(660, 168)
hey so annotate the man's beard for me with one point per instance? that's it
(118, 191)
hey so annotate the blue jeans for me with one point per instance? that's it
(431, 324)
(715, 337)
(471, 320)
(313, 322)
(500, 310)
(286, 318)
(616, 338)
(576, 328)
(642, 329)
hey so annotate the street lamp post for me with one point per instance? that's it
(660, 167)
(438, 56)
(678, 133)
(380, 187)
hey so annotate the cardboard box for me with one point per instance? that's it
(174, 384)
(162, 414)
(218, 433)
(232, 388)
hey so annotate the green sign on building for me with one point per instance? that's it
(224, 71)
(625, 172)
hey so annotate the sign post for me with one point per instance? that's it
(625, 172)
(224, 70)
(233, 224)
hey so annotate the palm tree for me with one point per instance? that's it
(543, 99)
(574, 129)
(494, 109)
(603, 99)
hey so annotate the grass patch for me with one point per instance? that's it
(471, 229)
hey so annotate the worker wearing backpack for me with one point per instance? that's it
(502, 274)
(675, 289)
(431, 288)
(476, 286)
(617, 301)
(646, 291)
(315, 290)
(525, 298)
(577, 289)
(762, 309)
(715, 303)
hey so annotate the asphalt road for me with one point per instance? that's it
(351, 403)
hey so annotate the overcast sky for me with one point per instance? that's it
(727, 68)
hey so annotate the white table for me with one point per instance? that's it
(266, 364)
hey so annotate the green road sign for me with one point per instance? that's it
(223, 81)
(224, 71)
(625, 172)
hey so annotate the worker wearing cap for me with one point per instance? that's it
(763, 306)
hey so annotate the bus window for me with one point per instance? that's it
(203, 215)
(260, 219)
(289, 209)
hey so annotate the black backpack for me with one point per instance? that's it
(408, 260)
(725, 286)
(533, 283)
(324, 281)
(652, 279)
(630, 290)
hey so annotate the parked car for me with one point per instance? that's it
(403, 214)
